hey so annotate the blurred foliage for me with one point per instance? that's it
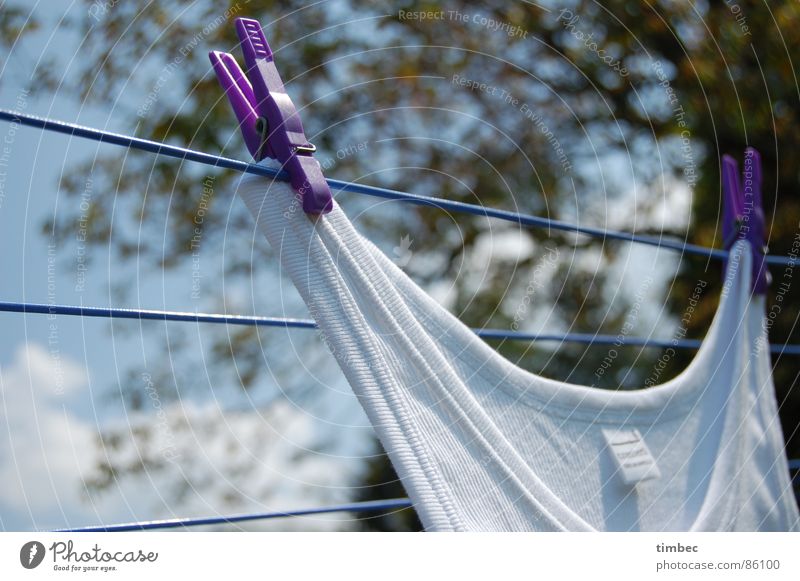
(590, 144)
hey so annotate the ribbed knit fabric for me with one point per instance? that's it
(481, 444)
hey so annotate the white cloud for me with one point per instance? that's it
(199, 460)
(221, 463)
(43, 448)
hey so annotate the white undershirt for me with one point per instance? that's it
(481, 444)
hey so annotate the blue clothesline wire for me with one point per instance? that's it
(358, 507)
(186, 317)
(224, 162)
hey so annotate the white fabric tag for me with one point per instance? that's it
(631, 455)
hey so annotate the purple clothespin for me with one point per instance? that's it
(743, 212)
(267, 117)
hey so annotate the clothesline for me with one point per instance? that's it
(358, 507)
(462, 207)
(218, 318)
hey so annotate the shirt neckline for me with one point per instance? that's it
(667, 400)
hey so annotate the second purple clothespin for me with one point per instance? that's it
(743, 212)
(267, 117)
